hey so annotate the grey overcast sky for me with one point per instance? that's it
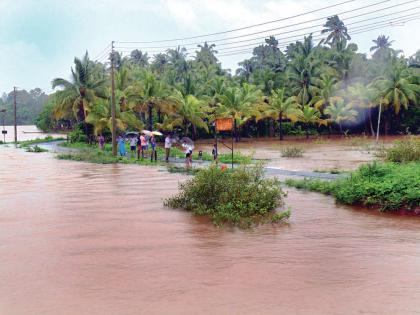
(39, 39)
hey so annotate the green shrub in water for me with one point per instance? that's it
(404, 150)
(292, 152)
(35, 149)
(241, 197)
(387, 186)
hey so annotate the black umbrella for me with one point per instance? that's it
(131, 134)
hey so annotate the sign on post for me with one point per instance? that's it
(224, 124)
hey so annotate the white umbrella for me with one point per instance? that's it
(147, 132)
(157, 133)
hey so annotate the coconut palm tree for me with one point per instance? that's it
(78, 94)
(100, 118)
(327, 85)
(382, 42)
(139, 58)
(279, 106)
(308, 116)
(240, 104)
(303, 74)
(191, 112)
(145, 94)
(363, 97)
(396, 90)
(336, 30)
(339, 112)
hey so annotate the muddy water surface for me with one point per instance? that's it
(79, 238)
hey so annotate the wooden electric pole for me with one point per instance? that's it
(14, 112)
(113, 106)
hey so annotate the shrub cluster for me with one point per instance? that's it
(35, 149)
(388, 186)
(241, 197)
(292, 152)
(404, 151)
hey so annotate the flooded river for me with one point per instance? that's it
(79, 238)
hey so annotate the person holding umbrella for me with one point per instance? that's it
(188, 146)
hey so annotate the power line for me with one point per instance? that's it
(315, 31)
(278, 28)
(361, 26)
(359, 31)
(242, 28)
(105, 50)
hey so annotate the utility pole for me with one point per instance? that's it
(14, 112)
(113, 107)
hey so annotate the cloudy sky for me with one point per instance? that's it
(39, 39)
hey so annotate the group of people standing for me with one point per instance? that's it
(138, 145)
(141, 144)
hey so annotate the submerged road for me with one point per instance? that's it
(270, 171)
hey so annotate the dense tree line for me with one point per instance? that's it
(29, 106)
(308, 87)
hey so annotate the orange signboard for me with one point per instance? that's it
(224, 124)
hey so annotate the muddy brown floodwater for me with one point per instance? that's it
(79, 238)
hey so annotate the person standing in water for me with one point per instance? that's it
(214, 152)
(121, 146)
(101, 142)
(133, 144)
(143, 144)
(153, 145)
(168, 145)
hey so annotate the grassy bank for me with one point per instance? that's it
(24, 144)
(240, 197)
(386, 186)
(238, 158)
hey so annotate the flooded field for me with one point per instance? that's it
(324, 153)
(78, 238)
(27, 132)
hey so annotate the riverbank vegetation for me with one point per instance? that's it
(240, 197)
(313, 86)
(85, 150)
(27, 143)
(386, 186)
(389, 186)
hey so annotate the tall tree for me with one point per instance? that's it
(240, 104)
(79, 94)
(281, 107)
(339, 112)
(336, 30)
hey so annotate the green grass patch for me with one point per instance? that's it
(329, 170)
(24, 144)
(387, 186)
(239, 197)
(175, 152)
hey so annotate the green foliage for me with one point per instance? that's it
(239, 197)
(35, 149)
(292, 152)
(388, 186)
(77, 135)
(177, 91)
(404, 151)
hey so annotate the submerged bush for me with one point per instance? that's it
(35, 149)
(240, 197)
(404, 151)
(292, 152)
(387, 186)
